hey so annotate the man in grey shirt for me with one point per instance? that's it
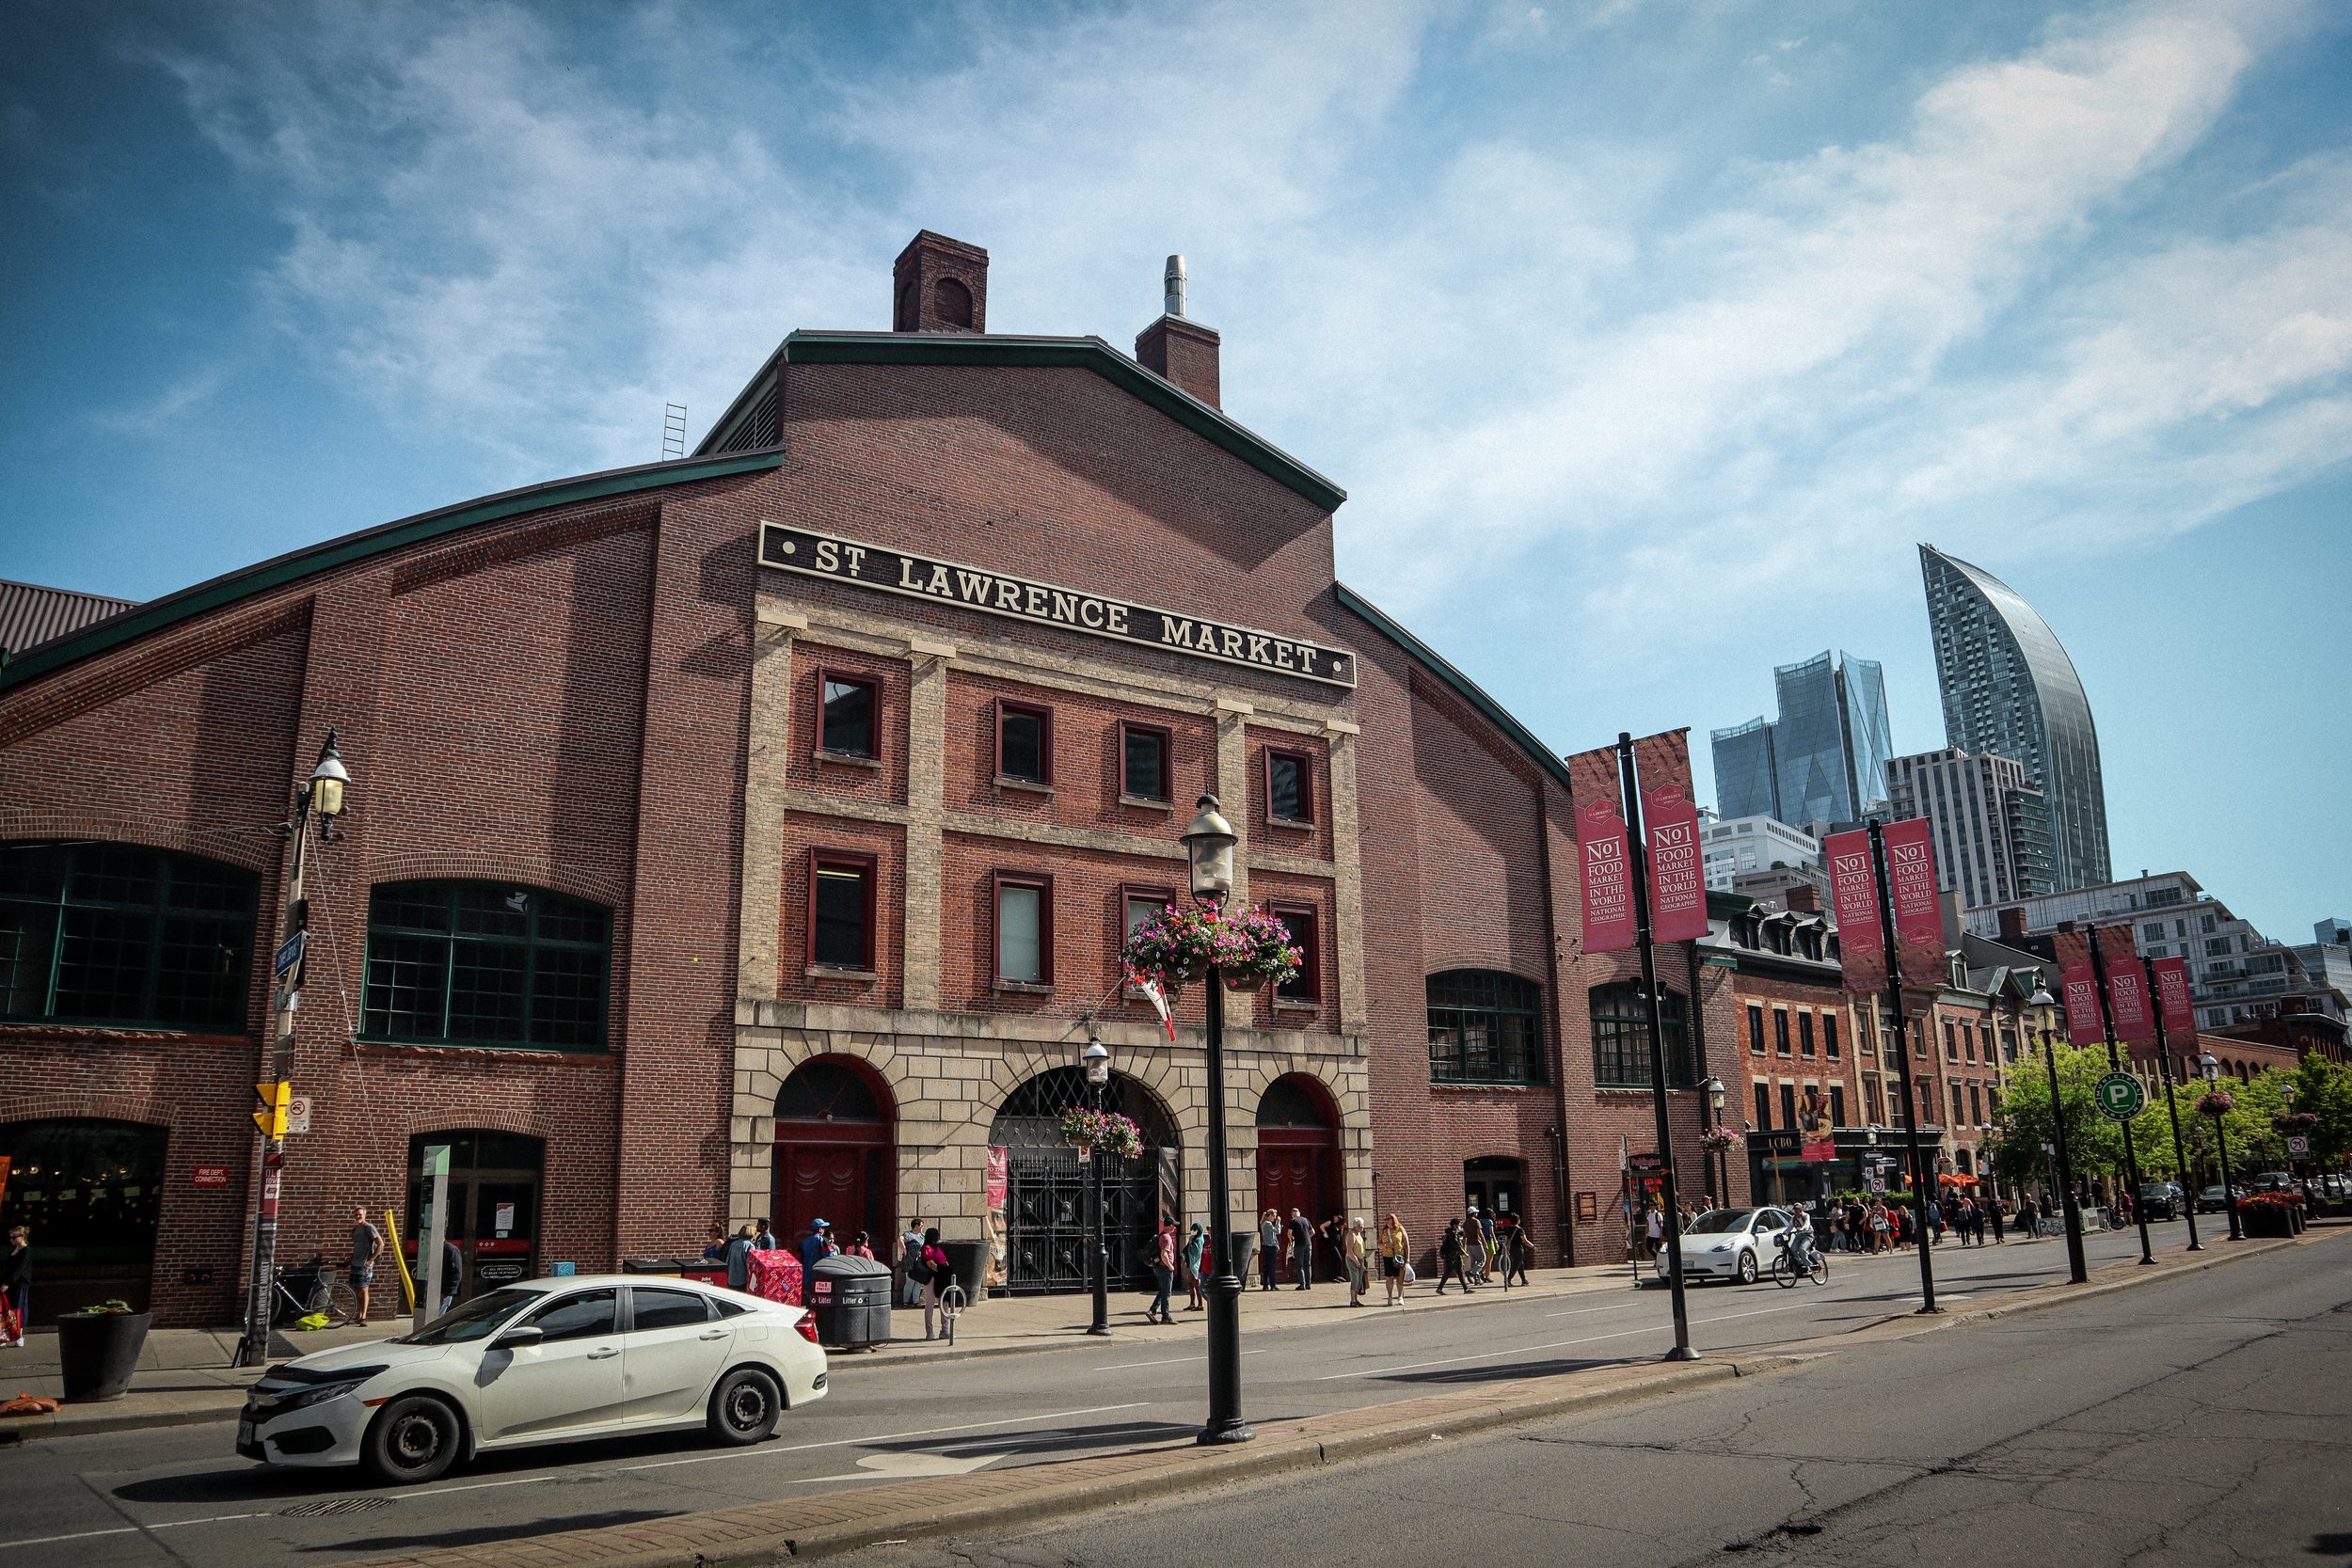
(366, 1242)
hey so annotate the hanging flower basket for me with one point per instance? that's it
(2295, 1124)
(1102, 1133)
(1176, 947)
(2216, 1102)
(1720, 1140)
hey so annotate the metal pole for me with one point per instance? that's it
(1225, 1420)
(1902, 1051)
(2180, 1150)
(1101, 1246)
(2077, 1268)
(2115, 1064)
(1637, 841)
(253, 1347)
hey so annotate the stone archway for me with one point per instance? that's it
(1044, 1215)
(836, 1154)
(1299, 1155)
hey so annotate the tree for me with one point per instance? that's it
(2325, 1088)
(2095, 1142)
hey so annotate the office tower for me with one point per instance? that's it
(1744, 773)
(1824, 759)
(2011, 691)
(1991, 825)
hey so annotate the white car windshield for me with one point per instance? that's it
(1718, 1222)
(477, 1318)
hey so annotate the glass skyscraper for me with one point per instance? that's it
(2010, 690)
(1824, 759)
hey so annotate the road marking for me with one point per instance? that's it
(1561, 1344)
(1177, 1361)
(79, 1535)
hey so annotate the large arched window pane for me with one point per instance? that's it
(1485, 1027)
(486, 963)
(1621, 1036)
(114, 934)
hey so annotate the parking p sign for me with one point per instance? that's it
(2119, 1097)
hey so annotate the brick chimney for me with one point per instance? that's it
(1803, 898)
(2013, 923)
(938, 285)
(1176, 347)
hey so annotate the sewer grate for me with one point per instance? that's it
(333, 1505)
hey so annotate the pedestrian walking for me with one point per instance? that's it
(1654, 1227)
(1994, 1213)
(937, 1275)
(1194, 1245)
(1882, 1226)
(1473, 1253)
(1354, 1260)
(1519, 1251)
(16, 1285)
(1393, 1252)
(366, 1242)
(1302, 1249)
(1269, 1248)
(1450, 1258)
(1163, 1274)
(910, 1254)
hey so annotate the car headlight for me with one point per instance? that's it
(1720, 1246)
(320, 1394)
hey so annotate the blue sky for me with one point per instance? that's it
(1648, 338)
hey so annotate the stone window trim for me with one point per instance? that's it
(1305, 762)
(1043, 714)
(1044, 882)
(867, 865)
(1165, 797)
(1309, 983)
(871, 756)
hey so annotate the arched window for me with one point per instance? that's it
(828, 1089)
(485, 963)
(1485, 1027)
(114, 934)
(1621, 1036)
(952, 302)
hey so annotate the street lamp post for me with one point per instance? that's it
(1715, 1087)
(1098, 1066)
(1209, 841)
(2209, 1067)
(321, 795)
(2077, 1268)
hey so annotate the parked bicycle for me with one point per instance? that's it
(329, 1295)
(1787, 1270)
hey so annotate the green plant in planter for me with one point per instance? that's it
(114, 1307)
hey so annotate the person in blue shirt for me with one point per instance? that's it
(817, 1245)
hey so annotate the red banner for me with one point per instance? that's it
(1918, 917)
(1601, 853)
(2127, 986)
(2180, 1015)
(2079, 988)
(1670, 823)
(1853, 899)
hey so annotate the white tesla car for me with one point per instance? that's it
(1732, 1243)
(545, 1361)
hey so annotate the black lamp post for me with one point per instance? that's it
(1210, 843)
(1715, 1087)
(2209, 1067)
(2077, 1268)
(1098, 1064)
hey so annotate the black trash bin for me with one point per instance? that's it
(851, 1300)
(653, 1265)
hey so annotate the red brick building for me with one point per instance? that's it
(755, 835)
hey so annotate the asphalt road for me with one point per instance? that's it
(2195, 1423)
(179, 1495)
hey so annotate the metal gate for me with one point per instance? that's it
(1045, 1238)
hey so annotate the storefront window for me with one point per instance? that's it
(114, 934)
(485, 963)
(1485, 1027)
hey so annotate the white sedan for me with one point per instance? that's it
(545, 1361)
(1732, 1243)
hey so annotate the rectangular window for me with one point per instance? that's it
(1956, 1116)
(1918, 1036)
(2218, 947)
(1024, 743)
(1968, 1041)
(848, 705)
(1789, 1104)
(1763, 1107)
(1976, 1105)
(1756, 1029)
(840, 911)
(1804, 1033)
(1141, 904)
(1829, 1036)
(1289, 793)
(1143, 759)
(2154, 930)
(1837, 1105)
(1025, 928)
(1951, 1046)
(1871, 1106)
(484, 964)
(1780, 1031)
(1300, 921)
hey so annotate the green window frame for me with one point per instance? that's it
(1621, 1036)
(124, 937)
(486, 964)
(1486, 1027)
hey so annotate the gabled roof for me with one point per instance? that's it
(171, 609)
(1086, 354)
(31, 614)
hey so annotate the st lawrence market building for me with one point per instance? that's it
(756, 834)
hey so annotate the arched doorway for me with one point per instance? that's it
(494, 1191)
(836, 1154)
(1298, 1154)
(1044, 1216)
(90, 1192)
(1497, 1185)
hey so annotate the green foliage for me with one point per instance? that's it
(2325, 1088)
(2321, 1087)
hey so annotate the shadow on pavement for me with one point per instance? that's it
(480, 1534)
(1049, 1440)
(1506, 1372)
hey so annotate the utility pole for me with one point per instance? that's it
(1637, 843)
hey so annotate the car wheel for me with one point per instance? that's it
(413, 1439)
(744, 1406)
(1747, 1268)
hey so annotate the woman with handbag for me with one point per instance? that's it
(1394, 1248)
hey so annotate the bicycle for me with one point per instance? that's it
(329, 1295)
(1784, 1271)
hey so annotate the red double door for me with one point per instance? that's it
(1298, 1167)
(842, 1173)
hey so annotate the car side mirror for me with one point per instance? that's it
(519, 1339)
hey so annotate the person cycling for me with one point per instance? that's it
(1801, 1239)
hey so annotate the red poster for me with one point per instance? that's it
(1670, 821)
(1853, 898)
(2127, 986)
(210, 1175)
(2180, 1016)
(1918, 917)
(2078, 988)
(1600, 846)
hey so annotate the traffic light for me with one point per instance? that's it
(271, 1116)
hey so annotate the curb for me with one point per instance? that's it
(32, 1429)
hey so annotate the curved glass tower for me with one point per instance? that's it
(2010, 690)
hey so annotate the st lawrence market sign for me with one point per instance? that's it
(821, 555)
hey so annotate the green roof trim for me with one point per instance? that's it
(1086, 354)
(1469, 688)
(172, 609)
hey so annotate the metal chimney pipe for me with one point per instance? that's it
(1175, 281)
